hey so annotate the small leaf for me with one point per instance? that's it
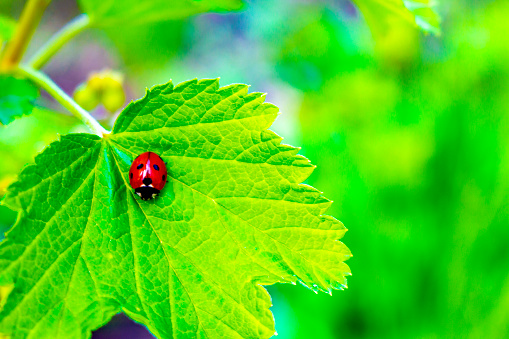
(188, 264)
(380, 13)
(129, 12)
(17, 97)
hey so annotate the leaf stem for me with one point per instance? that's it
(43, 81)
(30, 17)
(66, 33)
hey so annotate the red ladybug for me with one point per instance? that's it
(148, 175)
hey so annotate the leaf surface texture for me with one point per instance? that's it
(189, 264)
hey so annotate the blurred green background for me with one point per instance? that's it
(408, 132)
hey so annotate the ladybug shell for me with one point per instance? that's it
(148, 175)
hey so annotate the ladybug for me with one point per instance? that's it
(147, 175)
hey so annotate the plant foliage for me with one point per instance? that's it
(107, 13)
(188, 264)
(382, 13)
(17, 98)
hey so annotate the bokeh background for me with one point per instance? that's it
(409, 133)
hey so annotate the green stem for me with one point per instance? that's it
(69, 31)
(30, 17)
(43, 81)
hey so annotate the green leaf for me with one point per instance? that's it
(7, 26)
(107, 13)
(188, 264)
(382, 13)
(17, 97)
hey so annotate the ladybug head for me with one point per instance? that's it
(146, 192)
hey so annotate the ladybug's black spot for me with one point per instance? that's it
(164, 177)
(147, 181)
(156, 167)
(131, 175)
(139, 166)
